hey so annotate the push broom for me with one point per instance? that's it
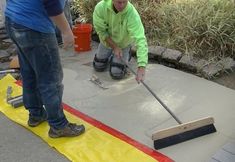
(183, 131)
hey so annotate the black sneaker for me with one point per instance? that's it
(70, 130)
(33, 122)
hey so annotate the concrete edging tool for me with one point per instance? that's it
(16, 101)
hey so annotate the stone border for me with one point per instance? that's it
(176, 59)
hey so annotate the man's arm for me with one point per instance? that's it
(116, 50)
(55, 11)
(136, 30)
(67, 34)
(100, 25)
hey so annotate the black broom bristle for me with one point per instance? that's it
(178, 138)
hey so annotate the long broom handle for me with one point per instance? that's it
(150, 90)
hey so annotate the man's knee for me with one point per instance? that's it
(117, 70)
(100, 64)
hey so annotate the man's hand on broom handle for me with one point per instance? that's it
(140, 74)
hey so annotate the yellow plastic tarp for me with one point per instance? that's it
(95, 145)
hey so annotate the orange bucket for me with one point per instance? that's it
(82, 37)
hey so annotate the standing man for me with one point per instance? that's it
(30, 24)
(118, 25)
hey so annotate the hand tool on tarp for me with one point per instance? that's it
(16, 101)
(183, 131)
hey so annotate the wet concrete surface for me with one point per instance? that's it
(129, 108)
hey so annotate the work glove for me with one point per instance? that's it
(140, 74)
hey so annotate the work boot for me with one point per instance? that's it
(33, 122)
(70, 130)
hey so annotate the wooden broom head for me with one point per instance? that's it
(183, 132)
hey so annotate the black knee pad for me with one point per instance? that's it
(119, 75)
(103, 63)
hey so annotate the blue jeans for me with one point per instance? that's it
(41, 72)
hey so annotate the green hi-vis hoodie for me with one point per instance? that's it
(124, 28)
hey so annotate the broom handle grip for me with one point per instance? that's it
(150, 90)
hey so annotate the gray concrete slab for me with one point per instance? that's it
(19, 144)
(129, 107)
